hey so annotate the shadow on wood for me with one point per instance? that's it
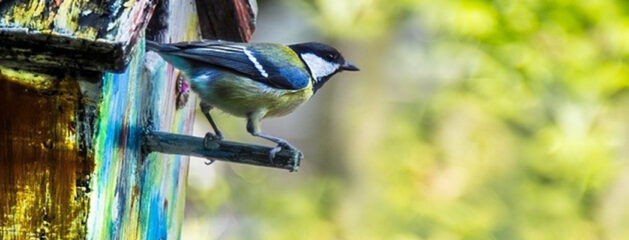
(220, 150)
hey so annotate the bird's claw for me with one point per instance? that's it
(209, 162)
(274, 151)
(219, 134)
(280, 146)
(207, 142)
(209, 138)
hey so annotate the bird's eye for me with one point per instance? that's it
(331, 56)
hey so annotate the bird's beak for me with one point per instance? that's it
(350, 66)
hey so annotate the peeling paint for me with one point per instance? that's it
(62, 17)
(87, 176)
(129, 188)
(111, 26)
(44, 171)
(37, 81)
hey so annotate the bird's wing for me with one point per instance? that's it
(272, 64)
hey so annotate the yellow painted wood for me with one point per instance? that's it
(44, 184)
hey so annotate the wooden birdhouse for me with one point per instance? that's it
(79, 96)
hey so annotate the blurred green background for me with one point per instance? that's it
(469, 120)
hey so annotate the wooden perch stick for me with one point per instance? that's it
(221, 150)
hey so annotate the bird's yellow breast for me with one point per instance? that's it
(241, 96)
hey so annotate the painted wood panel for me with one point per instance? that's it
(71, 144)
(135, 195)
(44, 167)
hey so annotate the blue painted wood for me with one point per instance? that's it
(136, 195)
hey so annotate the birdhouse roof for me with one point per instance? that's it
(100, 35)
(83, 34)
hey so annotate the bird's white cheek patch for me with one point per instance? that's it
(318, 66)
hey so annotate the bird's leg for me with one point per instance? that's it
(205, 108)
(209, 137)
(253, 127)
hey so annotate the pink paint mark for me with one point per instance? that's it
(182, 91)
(184, 87)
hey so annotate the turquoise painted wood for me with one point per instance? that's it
(135, 194)
(138, 195)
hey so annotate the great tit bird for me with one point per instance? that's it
(253, 80)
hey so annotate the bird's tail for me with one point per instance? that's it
(159, 47)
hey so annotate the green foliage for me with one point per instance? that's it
(471, 120)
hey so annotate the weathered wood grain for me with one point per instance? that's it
(220, 150)
(82, 34)
(45, 164)
(70, 144)
(232, 20)
(134, 195)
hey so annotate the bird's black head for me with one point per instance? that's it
(322, 61)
